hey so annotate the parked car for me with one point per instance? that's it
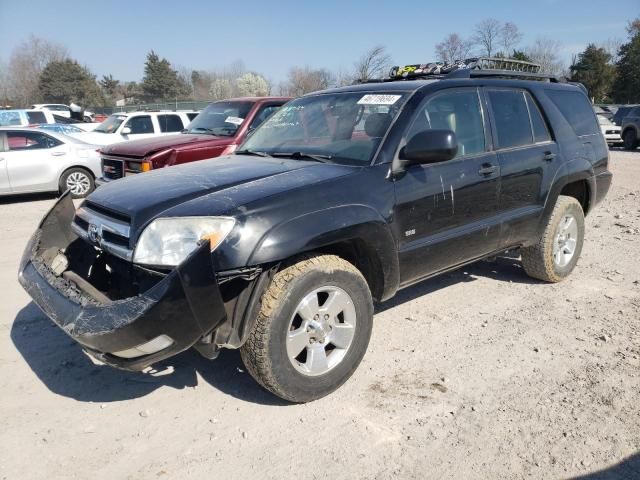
(339, 199)
(622, 112)
(121, 127)
(62, 110)
(631, 129)
(23, 117)
(35, 160)
(217, 130)
(610, 130)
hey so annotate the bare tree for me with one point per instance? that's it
(453, 48)
(546, 52)
(487, 35)
(612, 46)
(375, 63)
(510, 37)
(26, 64)
(303, 80)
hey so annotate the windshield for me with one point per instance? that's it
(222, 119)
(111, 124)
(341, 127)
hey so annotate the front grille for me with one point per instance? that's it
(611, 132)
(112, 168)
(109, 232)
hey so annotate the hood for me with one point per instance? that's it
(97, 138)
(145, 146)
(227, 183)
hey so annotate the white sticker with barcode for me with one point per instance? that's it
(234, 120)
(371, 99)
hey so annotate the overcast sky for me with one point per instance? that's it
(270, 37)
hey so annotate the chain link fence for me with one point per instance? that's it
(171, 106)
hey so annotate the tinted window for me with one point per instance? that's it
(30, 141)
(511, 117)
(458, 111)
(192, 115)
(540, 130)
(170, 123)
(577, 110)
(263, 115)
(140, 124)
(36, 117)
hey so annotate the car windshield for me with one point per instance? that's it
(111, 124)
(341, 127)
(222, 119)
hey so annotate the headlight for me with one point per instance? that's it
(168, 241)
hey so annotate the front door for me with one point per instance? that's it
(447, 213)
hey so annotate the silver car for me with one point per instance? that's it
(34, 160)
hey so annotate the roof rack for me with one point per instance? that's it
(470, 68)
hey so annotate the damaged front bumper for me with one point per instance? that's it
(180, 308)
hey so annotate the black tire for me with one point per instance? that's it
(538, 260)
(265, 352)
(87, 181)
(630, 140)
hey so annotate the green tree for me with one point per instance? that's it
(160, 81)
(109, 84)
(520, 55)
(626, 88)
(67, 81)
(594, 70)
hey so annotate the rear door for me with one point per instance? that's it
(33, 160)
(447, 213)
(528, 159)
(5, 186)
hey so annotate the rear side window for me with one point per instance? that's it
(577, 110)
(540, 130)
(36, 117)
(170, 123)
(30, 141)
(511, 117)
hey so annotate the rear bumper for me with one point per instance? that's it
(185, 305)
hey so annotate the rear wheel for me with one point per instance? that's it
(555, 255)
(630, 140)
(78, 181)
(313, 329)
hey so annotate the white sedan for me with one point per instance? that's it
(33, 160)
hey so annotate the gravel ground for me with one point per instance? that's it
(481, 373)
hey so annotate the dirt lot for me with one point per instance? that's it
(482, 373)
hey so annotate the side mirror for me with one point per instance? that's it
(126, 131)
(430, 146)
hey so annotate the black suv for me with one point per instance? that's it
(338, 200)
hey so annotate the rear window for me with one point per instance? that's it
(511, 118)
(36, 117)
(170, 123)
(577, 110)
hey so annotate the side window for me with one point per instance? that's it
(577, 110)
(30, 141)
(511, 118)
(170, 123)
(262, 115)
(540, 130)
(36, 117)
(9, 118)
(140, 124)
(458, 111)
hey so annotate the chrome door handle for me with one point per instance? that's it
(58, 154)
(487, 169)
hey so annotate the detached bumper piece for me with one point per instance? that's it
(175, 310)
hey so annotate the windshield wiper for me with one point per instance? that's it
(204, 129)
(252, 152)
(304, 156)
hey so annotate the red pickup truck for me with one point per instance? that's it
(216, 131)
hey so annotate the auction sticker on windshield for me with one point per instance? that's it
(371, 99)
(234, 120)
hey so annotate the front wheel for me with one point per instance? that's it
(313, 329)
(78, 181)
(555, 255)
